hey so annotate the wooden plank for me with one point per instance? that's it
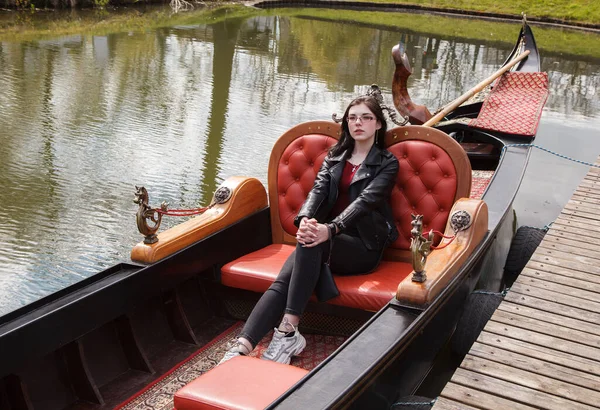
(576, 205)
(560, 288)
(582, 241)
(586, 183)
(580, 214)
(512, 391)
(550, 317)
(530, 364)
(443, 403)
(589, 192)
(576, 225)
(532, 380)
(543, 340)
(565, 263)
(551, 306)
(556, 297)
(539, 326)
(585, 199)
(578, 262)
(560, 231)
(589, 182)
(569, 248)
(480, 399)
(592, 176)
(565, 359)
(573, 278)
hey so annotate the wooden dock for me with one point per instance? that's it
(541, 348)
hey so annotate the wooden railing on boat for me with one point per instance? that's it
(248, 196)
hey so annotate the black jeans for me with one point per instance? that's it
(298, 277)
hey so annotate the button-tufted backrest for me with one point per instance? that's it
(434, 173)
(426, 185)
(294, 164)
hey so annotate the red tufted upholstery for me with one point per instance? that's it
(426, 185)
(257, 270)
(434, 173)
(298, 167)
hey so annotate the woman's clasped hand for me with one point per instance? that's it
(312, 233)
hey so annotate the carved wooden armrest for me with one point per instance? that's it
(248, 196)
(444, 263)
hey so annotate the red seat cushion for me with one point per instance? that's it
(257, 270)
(240, 383)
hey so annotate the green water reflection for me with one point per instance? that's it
(180, 108)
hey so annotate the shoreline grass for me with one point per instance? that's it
(26, 26)
(549, 40)
(580, 11)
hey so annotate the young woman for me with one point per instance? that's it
(347, 205)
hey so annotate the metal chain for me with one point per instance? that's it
(549, 151)
(487, 292)
(415, 403)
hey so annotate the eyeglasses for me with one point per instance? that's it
(363, 118)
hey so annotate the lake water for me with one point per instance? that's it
(85, 118)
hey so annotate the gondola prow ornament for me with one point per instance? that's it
(420, 248)
(145, 213)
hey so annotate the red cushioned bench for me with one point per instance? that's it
(434, 174)
(240, 383)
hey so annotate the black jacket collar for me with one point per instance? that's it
(374, 157)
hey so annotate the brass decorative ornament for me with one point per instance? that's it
(420, 248)
(145, 213)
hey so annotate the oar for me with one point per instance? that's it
(454, 104)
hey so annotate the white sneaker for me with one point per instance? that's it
(234, 351)
(282, 348)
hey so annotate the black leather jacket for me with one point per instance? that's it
(369, 210)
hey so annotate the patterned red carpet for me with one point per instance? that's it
(159, 395)
(480, 181)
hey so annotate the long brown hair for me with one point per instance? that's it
(346, 141)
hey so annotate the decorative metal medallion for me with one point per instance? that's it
(460, 220)
(222, 195)
(420, 248)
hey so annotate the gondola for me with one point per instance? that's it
(98, 342)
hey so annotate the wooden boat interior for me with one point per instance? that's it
(200, 278)
(106, 341)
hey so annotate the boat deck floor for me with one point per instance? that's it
(541, 348)
(132, 381)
